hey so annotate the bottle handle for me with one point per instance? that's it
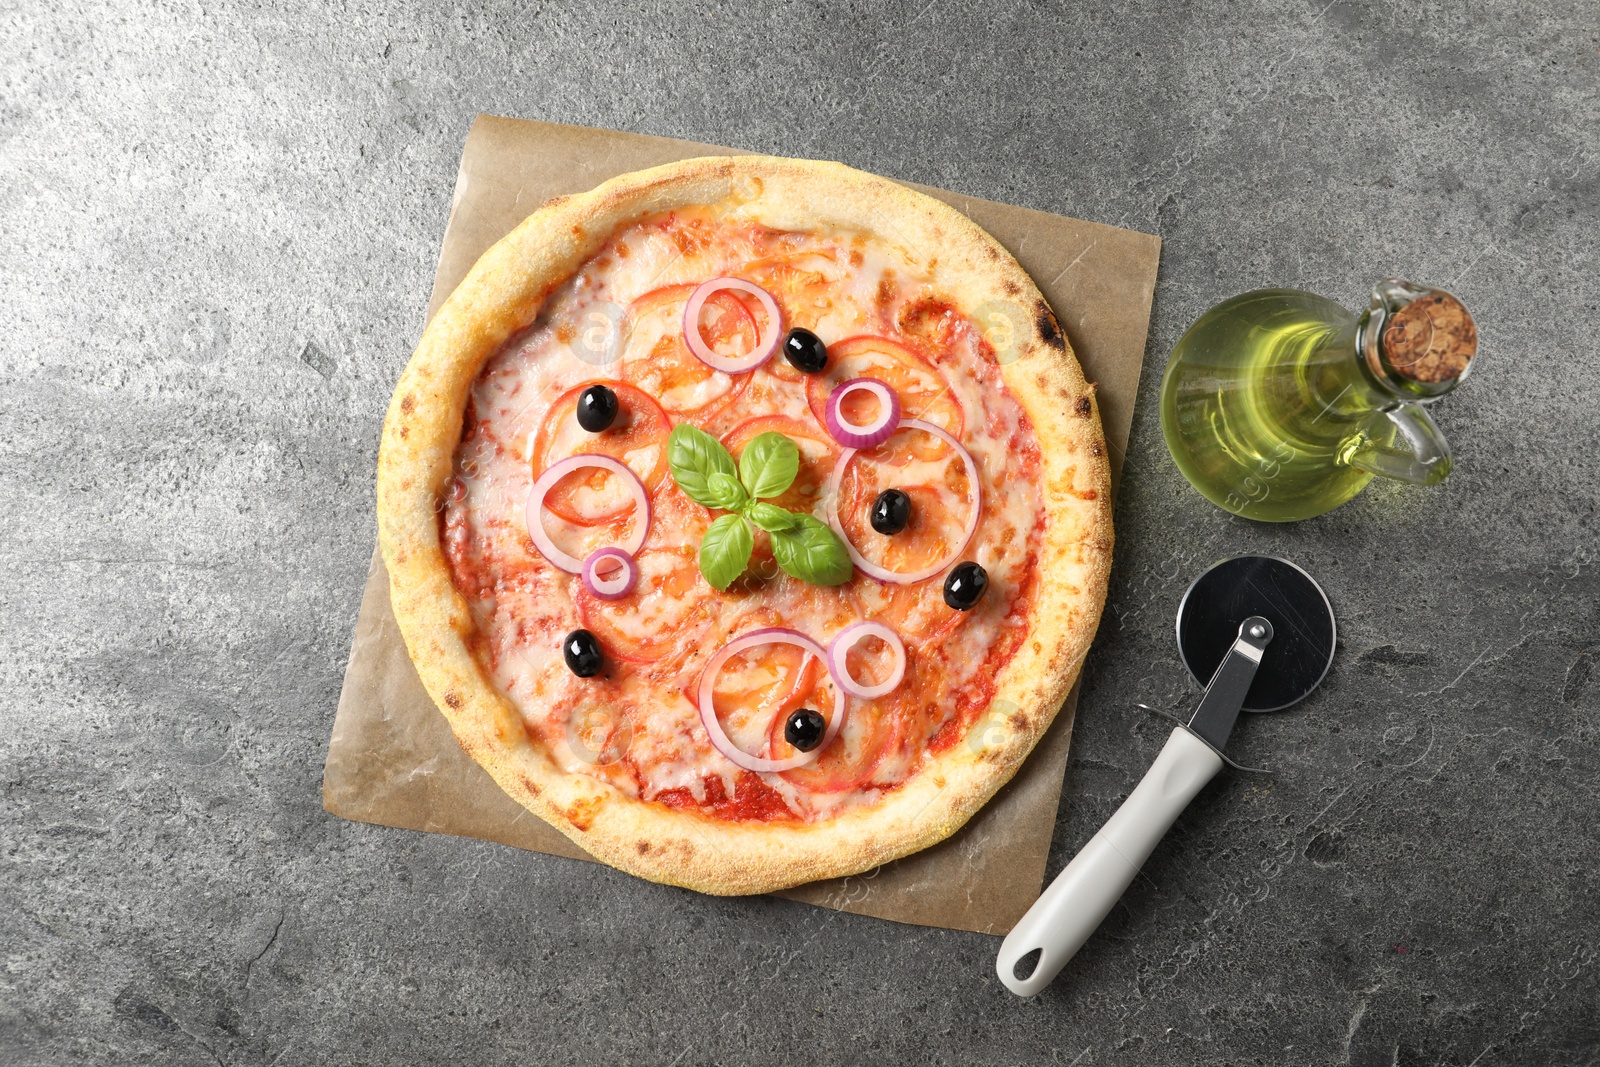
(1401, 442)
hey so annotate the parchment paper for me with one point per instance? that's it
(393, 760)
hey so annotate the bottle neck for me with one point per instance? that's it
(1342, 388)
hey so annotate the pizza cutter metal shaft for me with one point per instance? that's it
(1218, 710)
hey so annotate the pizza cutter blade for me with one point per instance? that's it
(1260, 634)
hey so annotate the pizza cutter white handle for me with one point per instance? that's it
(1082, 896)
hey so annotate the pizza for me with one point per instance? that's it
(748, 519)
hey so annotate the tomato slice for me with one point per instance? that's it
(938, 518)
(916, 612)
(941, 501)
(760, 686)
(638, 438)
(665, 613)
(656, 359)
(803, 286)
(934, 322)
(596, 724)
(870, 732)
(924, 393)
(818, 452)
(728, 325)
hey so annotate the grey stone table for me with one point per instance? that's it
(217, 231)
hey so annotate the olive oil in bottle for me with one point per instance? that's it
(1280, 405)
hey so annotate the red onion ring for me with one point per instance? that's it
(560, 469)
(851, 636)
(771, 635)
(907, 577)
(610, 588)
(765, 345)
(875, 432)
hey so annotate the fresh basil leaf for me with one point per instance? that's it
(812, 552)
(726, 491)
(769, 464)
(694, 456)
(725, 550)
(770, 517)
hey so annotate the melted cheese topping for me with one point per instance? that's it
(617, 321)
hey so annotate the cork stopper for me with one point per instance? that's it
(1431, 339)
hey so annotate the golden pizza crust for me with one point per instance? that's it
(501, 296)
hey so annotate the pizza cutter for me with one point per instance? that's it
(1261, 630)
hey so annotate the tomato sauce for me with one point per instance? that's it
(752, 801)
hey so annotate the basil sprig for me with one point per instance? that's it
(802, 544)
